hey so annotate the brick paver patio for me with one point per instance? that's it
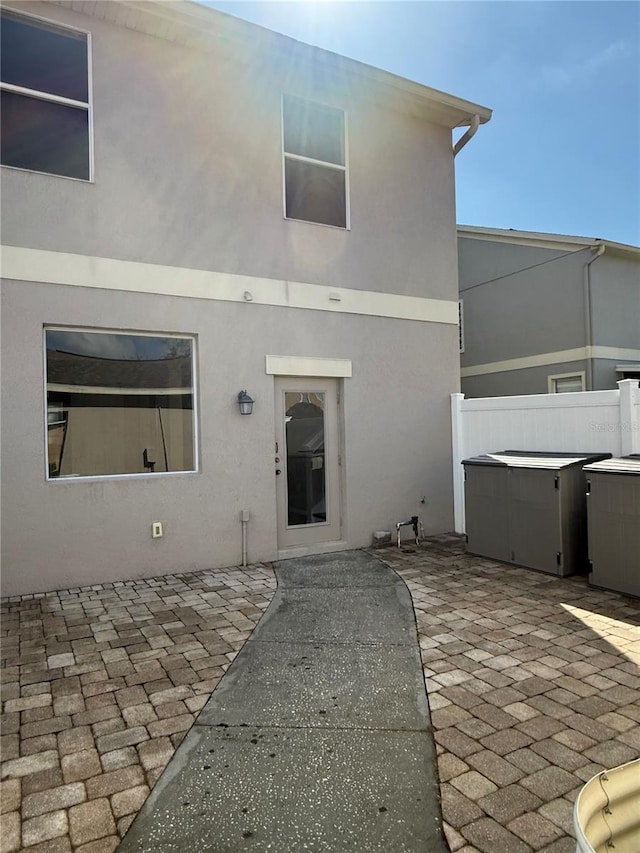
(533, 681)
(534, 687)
(99, 686)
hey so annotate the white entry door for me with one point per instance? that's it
(307, 461)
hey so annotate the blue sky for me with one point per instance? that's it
(562, 152)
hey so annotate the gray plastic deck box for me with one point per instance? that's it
(613, 509)
(529, 509)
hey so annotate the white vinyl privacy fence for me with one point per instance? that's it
(590, 421)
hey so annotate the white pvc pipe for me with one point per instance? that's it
(473, 126)
(588, 317)
(244, 518)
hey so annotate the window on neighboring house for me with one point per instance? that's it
(628, 371)
(119, 403)
(566, 382)
(44, 97)
(315, 169)
(461, 325)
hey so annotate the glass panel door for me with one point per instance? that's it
(306, 472)
(306, 462)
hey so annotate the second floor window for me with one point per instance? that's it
(315, 166)
(44, 91)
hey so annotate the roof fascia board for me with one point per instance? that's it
(542, 240)
(191, 23)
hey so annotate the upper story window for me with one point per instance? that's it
(315, 163)
(44, 97)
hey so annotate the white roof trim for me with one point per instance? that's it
(537, 238)
(545, 359)
(172, 19)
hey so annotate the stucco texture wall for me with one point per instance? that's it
(396, 441)
(529, 380)
(519, 301)
(188, 170)
(615, 301)
(189, 174)
(523, 301)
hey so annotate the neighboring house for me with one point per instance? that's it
(544, 313)
(193, 207)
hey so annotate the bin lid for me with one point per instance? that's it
(621, 465)
(534, 459)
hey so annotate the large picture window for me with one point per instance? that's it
(44, 97)
(315, 170)
(118, 403)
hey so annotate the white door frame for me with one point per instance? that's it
(313, 537)
(313, 366)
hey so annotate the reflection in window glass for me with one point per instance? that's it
(315, 174)
(44, 137)
(315, 194)
(568, 384)
(44, 57)
(314, 131)
(45, 125)
(305, 439)
(118, 404)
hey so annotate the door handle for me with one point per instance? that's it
(278, 471)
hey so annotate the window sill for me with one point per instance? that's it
(101, 478)
(47, 174)
(318, 224)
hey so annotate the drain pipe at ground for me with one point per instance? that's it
(244, 518)
(588, 317)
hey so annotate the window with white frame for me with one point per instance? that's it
(315, 164)
(566, 382)
(44, 97)
(118, 403)
(628, 371)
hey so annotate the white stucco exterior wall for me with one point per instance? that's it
(188, 183)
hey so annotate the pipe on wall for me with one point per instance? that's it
(473, 126)
(244, 519)
(588, 314)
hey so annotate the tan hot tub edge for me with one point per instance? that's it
(606, 814)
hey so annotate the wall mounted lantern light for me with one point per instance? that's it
(245, 402)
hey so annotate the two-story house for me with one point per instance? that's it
(197, 211)
(546, 313)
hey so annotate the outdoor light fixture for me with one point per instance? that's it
(245, 402)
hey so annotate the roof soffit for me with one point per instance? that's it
(190, 24)
(545, 241)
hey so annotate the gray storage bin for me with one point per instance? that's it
(529, 509)
(613, 510)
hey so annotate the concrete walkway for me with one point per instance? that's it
(533, 684)
(318, 737)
